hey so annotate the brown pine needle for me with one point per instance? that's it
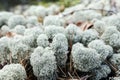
(70, 76)
(111, 65)
(62, 71)
(77, 75)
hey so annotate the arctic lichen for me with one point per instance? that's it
(111, 36)
(52, 30)
(85, 59)
(89, 35)
(35, 31)
(101, 72)
(80, 16)
(53, 20)
(32, 21)
(73, 33)
(44, 64)
(60, 47)
(16, 20)
(19, 29)
(13, 72)
(42, 40)
(17, 48)
(4, 51)
(99, 26)
(115, 59)
(4, 17)
(103, 49)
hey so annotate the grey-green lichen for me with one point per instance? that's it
(85, 59)
(53, 20)
(60, 47)
(4, 17)
(73, 33)
(89, 35)
(115, 59)
(13, 72)
(111, 36)
(99, 26)
(42, 40)
(44, 64)
(52, 30)
(17, 48)
(103, 49)
(16, 20)
(101, 72)
(4, 51)
(19, 29)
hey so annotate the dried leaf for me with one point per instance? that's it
(86, 25)
(79, 23)
(40, 19)
(10, 34)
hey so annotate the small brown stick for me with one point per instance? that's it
(71, 64)
(62, 71)
(77, 75)
(70, 76)
(111, 65)
(70, 42)
(10, 58)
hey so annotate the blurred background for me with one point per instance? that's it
(9, 4)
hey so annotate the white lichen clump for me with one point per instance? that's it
(104, 50)
(58, 40)
(116, 78)
(4, 29)
(40, 11)
(80, 16)
(28, 40)
(42, 40)
(52, 30)
(53, 20)
(112, 21)
(73, 33)
(111, 36)
(60, 47)
(4, 16)
(35, 31)
(19, 29)
(44, 63)
(16, 20)
(89, 35)
(13, 72)
(53, 9)
(17, 48)
(99, 26)
(30, 11)
(115, 59)
(85, 59)
(101, 4)
(4, 51)
(32, 21)
(101, 72)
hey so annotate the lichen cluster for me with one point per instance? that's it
(81, 39)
